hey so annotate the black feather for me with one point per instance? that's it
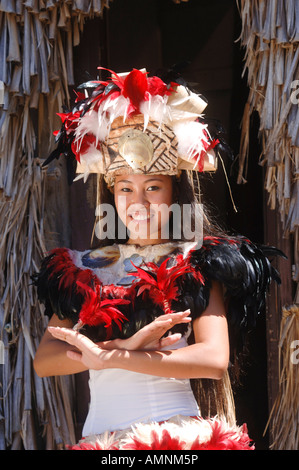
(242, 267)
(65, 303)
(244, 270)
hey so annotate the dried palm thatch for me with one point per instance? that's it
(270, 37)
(36, 67)
(285, 415)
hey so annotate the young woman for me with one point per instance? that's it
(125, 311)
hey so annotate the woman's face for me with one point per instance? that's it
(142, 203)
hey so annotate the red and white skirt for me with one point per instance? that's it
(177, 433)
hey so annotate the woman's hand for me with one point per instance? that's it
(207, 358)
(150, 337)
(89, 353)
(92, 355)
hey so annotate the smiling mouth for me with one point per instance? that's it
(140, 216)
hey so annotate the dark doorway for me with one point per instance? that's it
(200, 40)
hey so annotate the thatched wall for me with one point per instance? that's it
(37, 38)
(270, 37)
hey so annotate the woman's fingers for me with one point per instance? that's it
(88, 352)
(75, 356)
(172, 319)
(152, 335)
(170, 340)
(72, 337)
(145, 338)
(62, 333)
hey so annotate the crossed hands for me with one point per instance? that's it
(150, 337)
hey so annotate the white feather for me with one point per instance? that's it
(190, 136)
(155, 109)
(92, 157)
(91, 161)
(88, 124)
(110, 110)
(98, 123)
(187, 429)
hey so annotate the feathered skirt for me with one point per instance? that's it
(177, 433)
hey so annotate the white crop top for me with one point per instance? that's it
(120, 398)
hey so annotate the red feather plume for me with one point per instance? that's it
(62, 266)
(160, 281)
(164, 442)
(225, 439)
(156, 86)
(135, 87)
(81, 147)
(96, 311)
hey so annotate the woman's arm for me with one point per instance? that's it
(51, 358)
(207, 358)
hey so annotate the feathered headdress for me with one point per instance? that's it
(137, 124)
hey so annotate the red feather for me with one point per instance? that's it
(160, 281)
(98, 306)
(96, 311)
(156, 86)
(70, 120)
(80, 96)
(84, 444)
(135, 87)
(208, 146)
(62, 266)
(224, 439)
(117, 292)
(165, 442)
(117, 79)
(81, 147)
